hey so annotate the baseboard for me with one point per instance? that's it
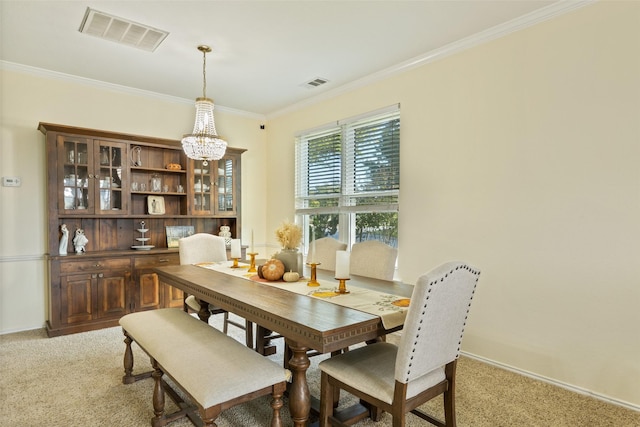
(552, 381)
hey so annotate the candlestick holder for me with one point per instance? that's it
(342, 286)
(312, 281)
(235, 263)
(252, 266)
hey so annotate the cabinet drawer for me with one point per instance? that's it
(156, 260)
(67, 267)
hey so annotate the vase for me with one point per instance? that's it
(292, 260)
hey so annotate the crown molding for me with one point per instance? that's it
(498, 31)
(40, 72)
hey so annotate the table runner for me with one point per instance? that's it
(392, 309)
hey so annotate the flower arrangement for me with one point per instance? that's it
(289, 235)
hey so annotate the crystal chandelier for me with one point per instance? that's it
(204, 143)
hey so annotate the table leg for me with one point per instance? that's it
(204, 312)
(299, 396)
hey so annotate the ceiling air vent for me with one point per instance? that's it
(318, 81)
(122, 31)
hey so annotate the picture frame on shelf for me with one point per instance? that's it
(177, 232)
(155, 205)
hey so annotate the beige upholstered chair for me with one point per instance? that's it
(398, 379)
(204, 247)
(373, 259)
(323, 250)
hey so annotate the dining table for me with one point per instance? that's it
(306, 322)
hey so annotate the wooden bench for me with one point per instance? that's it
(215, 371)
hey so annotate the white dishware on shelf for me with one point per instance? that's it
(142, 230)
(142, 247)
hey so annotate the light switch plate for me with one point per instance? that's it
(11, 181)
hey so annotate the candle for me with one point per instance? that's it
(252, 250)
(235, 248)
(342, 265)
(313, 245)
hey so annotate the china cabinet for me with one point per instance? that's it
(111, 186)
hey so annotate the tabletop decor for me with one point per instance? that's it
(252, 257)
(313, 281)
(236, 252)
(273, 269)
(290, 236)
(342, 271)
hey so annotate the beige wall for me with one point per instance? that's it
(521, 156)
(28, 99)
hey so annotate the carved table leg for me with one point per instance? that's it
(299, 396)
(204, 312)
(158, 397)
(128, 378)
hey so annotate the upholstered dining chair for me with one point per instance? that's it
(204, 247)
(373, 258)
(323, 250)
(398, 379)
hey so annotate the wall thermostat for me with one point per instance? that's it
(11, 181)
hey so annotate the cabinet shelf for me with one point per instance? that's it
(157, 170)
(157, 193)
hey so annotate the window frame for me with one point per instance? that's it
(346, 198)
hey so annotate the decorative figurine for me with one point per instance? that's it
(64, 240)
(80, 241)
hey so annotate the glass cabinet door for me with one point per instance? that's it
(202, 188)
(91, 176)
(225, 182)
(109, 158)
(75, 156)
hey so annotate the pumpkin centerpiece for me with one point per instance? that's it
(291, 276)
(273, 269)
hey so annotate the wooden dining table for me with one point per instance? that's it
(306, 323)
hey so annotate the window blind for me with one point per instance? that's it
(351, 167)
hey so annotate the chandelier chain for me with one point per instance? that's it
(204, 74)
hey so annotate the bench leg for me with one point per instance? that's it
(158, 397)
(128, 377)
(277, 404)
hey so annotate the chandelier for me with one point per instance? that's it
(204, 143)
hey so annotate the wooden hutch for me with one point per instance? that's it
(107, 184)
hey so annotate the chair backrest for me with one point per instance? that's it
(435, 321)
(202, 247)
(373, 258)
(323, 250)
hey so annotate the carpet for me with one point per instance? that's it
(75, 380)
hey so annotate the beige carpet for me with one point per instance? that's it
(75, 380)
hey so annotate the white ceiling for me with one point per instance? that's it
(263, 51)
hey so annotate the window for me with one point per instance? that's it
(348, 179)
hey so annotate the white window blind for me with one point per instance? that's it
(353, 166)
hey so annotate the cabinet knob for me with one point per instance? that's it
(97, 265)
(93, 276)
(100, 275)
(163, 260)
